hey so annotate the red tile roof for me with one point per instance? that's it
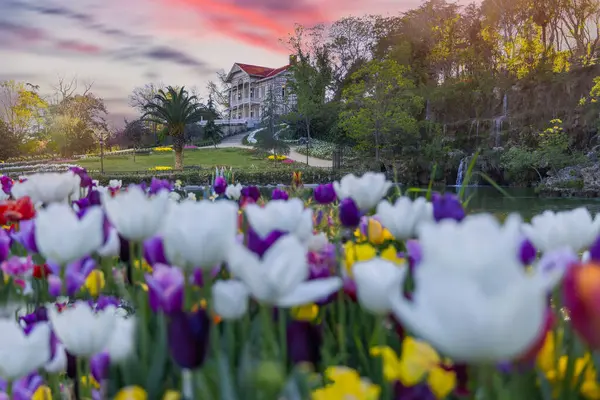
(263, 72)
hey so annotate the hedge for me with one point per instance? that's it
(274, 176)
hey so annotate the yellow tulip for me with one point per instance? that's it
(132, 393)
(347, 384)
(419, 362)
(172, 395)
(95, 282)
(376, 234)
(307, 312)
(356, 252)
(42, 393)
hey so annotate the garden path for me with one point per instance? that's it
(236, 141)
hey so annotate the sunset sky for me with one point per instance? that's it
(123, 44)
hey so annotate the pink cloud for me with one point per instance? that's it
(77, 47)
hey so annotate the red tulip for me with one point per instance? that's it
(581, 296)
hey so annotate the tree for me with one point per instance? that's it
(175, 109)
(212, 131)
(219, 91)
(142, 95)
(311, 76)
(381, 107)
(270, 119)
(8, 142)
(21, 108)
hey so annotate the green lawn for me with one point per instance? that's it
(228, 157)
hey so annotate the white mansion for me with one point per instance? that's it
(250, 85)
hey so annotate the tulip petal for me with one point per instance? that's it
(311, 291)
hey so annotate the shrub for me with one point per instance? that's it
(280, 174)
(318, 149)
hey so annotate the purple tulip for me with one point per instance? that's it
(166, 289)
(104, 301)
(7, 184)
(54, 285)
(324, 194)
(76, 274)
(349, 213)
(24, 388)
(86, 181)
(417, 392)
(158, 184)
(39, 315)
(527, 252)
(4, 245)
(279, 194)
(415, 253)
(251, 192)
(260, 246)
(25, 236)
(220, 185)
(188, 336)
(447, 206)
(99, 364)
(595, 250)
(304, 340)
(197, 278)
(17, 266)
(154, 252)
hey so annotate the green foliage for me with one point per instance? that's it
(267, 140)
(277, 174)
(212, 132)
(381, 108)
(175, 108)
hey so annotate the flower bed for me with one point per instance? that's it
(318, 149)
(348, 295)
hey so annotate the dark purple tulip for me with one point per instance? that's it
(349, 213)
(220, 185)
(527, 252)
(417, 392)
(86, 181)
(159, 184)
(54, 285)
(447, 206)
(260, 246)
(279, 194)
(99, 364)
(188, 336)
(39, 315)
(7, 184)
(154, 252)
(4, 245)
(24, 388)
(25, 236)
(76, 274)
(304, 341)
(105, 301)
(166, 289)
(595, 250)
(324, 194)
(251, 192)
(124, 255)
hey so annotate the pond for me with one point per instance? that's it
(488, 199)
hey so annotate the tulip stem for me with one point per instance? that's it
(342, 323)
(281, 320)
(268, 329)
(9, 387)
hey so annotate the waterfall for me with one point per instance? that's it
(505, 105)
(462, 169)
(498, 122)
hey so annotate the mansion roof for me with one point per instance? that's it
(258, 71)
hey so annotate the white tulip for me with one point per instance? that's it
(281, 215)
(199, 234)
(469, 324)
(478, 246)
(121, 343)
(62, 237)
(59, 363)
(174, 196)
(375, 280)
(115, 184)
(586, 257)
(280, 277)
(135, 215)
(191, 196)
(83, 331)
(233, 192)
(230, 299)
(112, 247)
(404, 216)
(318, 242)
(366, 191)
(49, 187)
(22, 354)
(575, 229)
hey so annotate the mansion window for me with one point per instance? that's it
(251, 93)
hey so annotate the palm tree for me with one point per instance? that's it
(175, 108)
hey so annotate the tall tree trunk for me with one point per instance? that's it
(178, 148)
